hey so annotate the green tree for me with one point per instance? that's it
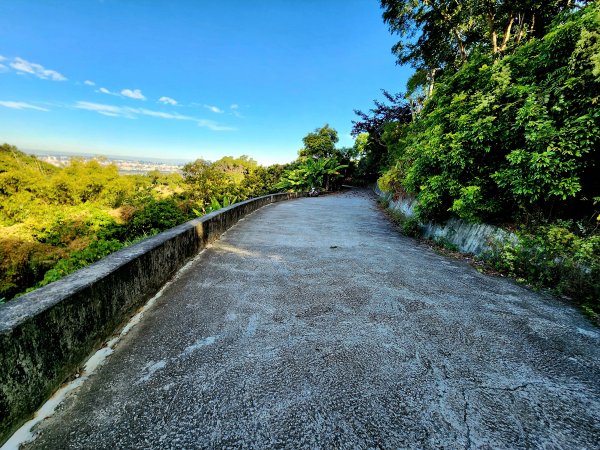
(154, 217)
(320, 143)
(374, 124)
(236, 169)
(204, 180)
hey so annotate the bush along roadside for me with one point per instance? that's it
(408, 225)
(555, 257)
(562, 258)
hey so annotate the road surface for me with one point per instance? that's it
(313, 323)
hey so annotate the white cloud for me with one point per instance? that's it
(103, 90)
(106, 110)
(125, 111)
(235, 110)
(23, 66)
(3, 68)
(21, 105)
(214, 109)
(2, 58)
(89, 83)
(214, 126)
(135, 94)
(132, 113)
(168, 101)
(162, 115)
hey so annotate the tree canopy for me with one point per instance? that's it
(436, 34)
(320, 143)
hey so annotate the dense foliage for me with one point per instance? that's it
(369, 130)
(510, 135)
(554, 256)
(56, 220)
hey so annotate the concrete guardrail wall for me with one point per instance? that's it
(47, 334)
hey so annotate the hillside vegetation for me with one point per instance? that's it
(56, 220)
(500, 123)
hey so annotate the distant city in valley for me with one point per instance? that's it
(127, 164)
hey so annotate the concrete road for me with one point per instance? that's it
(313, 323)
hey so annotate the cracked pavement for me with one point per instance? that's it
(313, 323)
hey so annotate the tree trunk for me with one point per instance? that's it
(461, 45)
(507, 31)
(493, 34)
(413, 108)
(431, 79)
(521, 32)
(455, 32)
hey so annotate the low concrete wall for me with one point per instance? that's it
(471, 238)
(47, 334)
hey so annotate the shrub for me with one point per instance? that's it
(97, 250)
(553, 256)
(408, 225)
(445, 243)
(411, 227)
(154, 217)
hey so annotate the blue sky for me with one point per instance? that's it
(188, 79)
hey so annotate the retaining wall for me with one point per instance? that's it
(468, 237)
(47, 334)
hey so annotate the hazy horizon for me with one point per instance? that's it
(41, 152)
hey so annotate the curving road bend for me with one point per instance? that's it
(313, 323)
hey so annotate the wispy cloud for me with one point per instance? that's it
(162, 115)
(21, 105)
(103, 90)
(167, 101)
(234, 110)
(2, 58)
(132, 113)
(135, 94)
(214, 126)
(214, 109)
(105, 110)
(89, 83)
(3, 68)
(23, 66)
